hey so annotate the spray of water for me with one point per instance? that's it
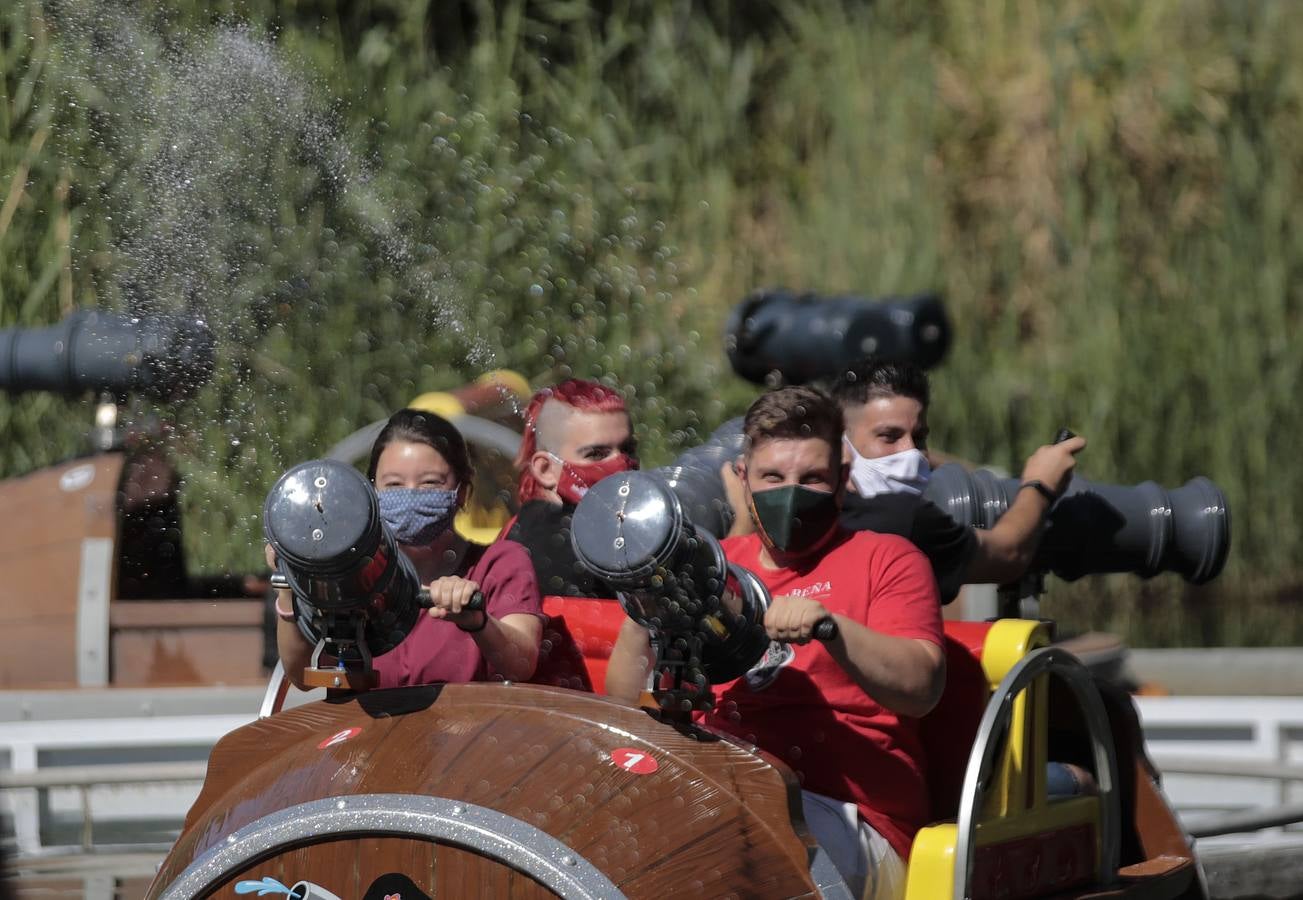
(208, 136)
(222, 182)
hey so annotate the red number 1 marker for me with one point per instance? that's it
(635, 761)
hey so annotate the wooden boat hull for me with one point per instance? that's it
(495, 790)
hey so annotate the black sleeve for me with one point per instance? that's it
(948, 546)
(543, 529)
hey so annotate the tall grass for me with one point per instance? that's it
(1101, 190)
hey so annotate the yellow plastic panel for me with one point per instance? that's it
(931, 872)
(508, 380)
(1008, 641)
(1053, 816)
(478, 528)
(441, 403)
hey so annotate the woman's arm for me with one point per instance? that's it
(510, 644)
(294, 650)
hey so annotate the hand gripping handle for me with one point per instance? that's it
(476, 603)
(826, 629)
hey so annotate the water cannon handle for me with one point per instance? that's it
(826, 630)
(1064, 434)
(476, 603)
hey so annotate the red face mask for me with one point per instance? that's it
(577, 478)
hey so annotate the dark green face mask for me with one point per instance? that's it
(794, 518)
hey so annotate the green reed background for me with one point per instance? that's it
(1102, 191)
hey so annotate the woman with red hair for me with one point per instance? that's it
(576, 433)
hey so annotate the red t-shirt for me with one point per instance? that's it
(437, 650)
(804, 708)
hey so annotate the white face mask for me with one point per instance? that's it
(906, 472)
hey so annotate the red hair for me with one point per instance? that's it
(577, 393)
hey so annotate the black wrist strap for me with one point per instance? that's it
(1041, 488)
(484, 620)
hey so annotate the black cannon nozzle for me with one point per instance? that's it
(1096, 528)
(163, 357)
(804, 337)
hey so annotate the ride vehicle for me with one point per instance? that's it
(547, 789)
(552, 788)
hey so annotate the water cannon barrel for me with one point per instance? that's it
(164, 357)
(694, 476)
(336, 554)
(1095, 528)
(630, 531)
(804, 337)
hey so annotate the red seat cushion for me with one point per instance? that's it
(578, 637)
(949, 730)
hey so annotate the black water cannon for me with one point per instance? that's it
(805, 337)
(355, 594)
(166, 358)
(694, 476)
(630, 531)
(1096, 528)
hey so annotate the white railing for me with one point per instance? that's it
(1219, 755)
(114, 772)
(1228, 756)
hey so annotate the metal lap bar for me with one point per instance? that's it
(1016, 714)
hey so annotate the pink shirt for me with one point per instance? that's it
(437, 650)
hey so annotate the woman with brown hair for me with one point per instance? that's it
(422, 473)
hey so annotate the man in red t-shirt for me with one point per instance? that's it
(842, 714)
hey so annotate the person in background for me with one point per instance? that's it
(885, 405)
(842, 714)
(421, 470)
(577, 432)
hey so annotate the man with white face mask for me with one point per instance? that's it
(885, 406)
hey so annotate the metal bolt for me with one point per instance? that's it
(619, 543)
(458, 810)
(568, 860)
(321, 481)
(317, 534)
(624, 490)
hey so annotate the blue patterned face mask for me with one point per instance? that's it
(416, 515)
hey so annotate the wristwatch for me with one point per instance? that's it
(1041, 488)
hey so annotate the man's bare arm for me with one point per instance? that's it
(630, 663)
(1004, 552)
(905, 675)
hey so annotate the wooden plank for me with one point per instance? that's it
(209, 655)
(76, 499)
(186, 614)
(48, 514)
(464, 873)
